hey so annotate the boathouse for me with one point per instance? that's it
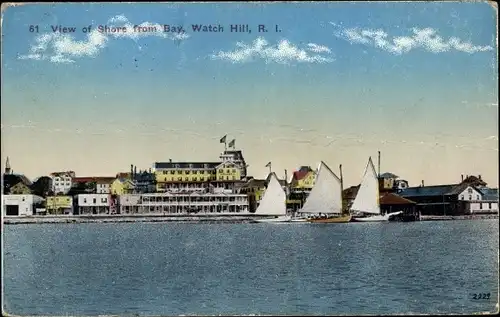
(443, 199)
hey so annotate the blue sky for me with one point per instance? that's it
(417, 81)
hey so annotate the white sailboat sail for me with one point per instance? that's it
(274, 200)
(326, 195)
(367, 198)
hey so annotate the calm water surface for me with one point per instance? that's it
(172, 269)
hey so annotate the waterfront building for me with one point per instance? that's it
(184, 176)
(488, 203)
(121, 186)
(303, 180)
(59, 205)
(144, 181)
(183, 203)
(448, 200)
(391, 202)
(301, 184)
(236, 157)
(103, 184)
(223, 176)
(391, 182)
(95, 204)
(254, 189)
(20, 189)
(21, 205)
(16, 184)
(62, 182)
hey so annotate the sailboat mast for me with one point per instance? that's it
(341, 187)
(378, 171)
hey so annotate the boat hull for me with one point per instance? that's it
(299, 220)
(274, 220)
(377, 218)
(341, 219)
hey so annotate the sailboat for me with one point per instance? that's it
(273, 202)
(367, 199)
(325, 198)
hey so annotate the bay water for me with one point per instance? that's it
(242, 269)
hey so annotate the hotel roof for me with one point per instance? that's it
(165, 165)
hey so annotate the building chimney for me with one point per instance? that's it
(423, 184)
(135, 171)
(480, 177)
(462, 177)
(131, 171)
(170, 160)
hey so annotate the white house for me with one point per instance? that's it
(103, 184)
(488, 202)
(62, 181)
(20, 205)
(470, 193)
(95, 204)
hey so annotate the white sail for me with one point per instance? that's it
(274, 200)
(367, 198)
(326, 195)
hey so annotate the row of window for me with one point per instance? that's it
(147, 199)
(61, 184)
(227, 171)
(462, 197)
(94, 200)
(201, 179)
(481, 206)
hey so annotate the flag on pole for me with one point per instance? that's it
(268, 164)
(223, 139)
(231, 144)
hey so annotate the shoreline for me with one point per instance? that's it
(13, 220)
(129, 218)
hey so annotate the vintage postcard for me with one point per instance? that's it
(267, 158)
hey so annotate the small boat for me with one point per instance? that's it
(273, 203)
(377, 218)
(367, 201)
(325, 198)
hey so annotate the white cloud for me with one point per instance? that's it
(426, 39)
(284, 52)
(318, 48)
(63, 48)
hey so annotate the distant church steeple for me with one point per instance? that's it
(7, 166)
